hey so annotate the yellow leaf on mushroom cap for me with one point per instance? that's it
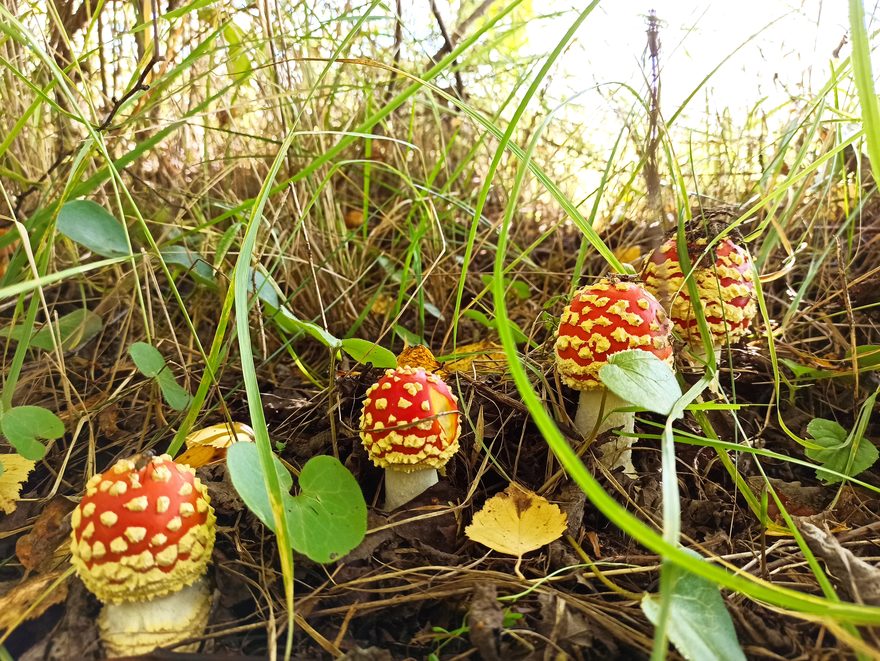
(516, 521)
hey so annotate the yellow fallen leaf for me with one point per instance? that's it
(481, 357)
(208, 445)
(516, 521)
(382, 305)
(15, 471)
(220, 436)
(628, 254)
(418, 356)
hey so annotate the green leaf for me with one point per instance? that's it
(519, 288)
(182, 11)
(75, 328)
(147, 359)
(23, 425)
(151, 364)
(699, 625)
(268, 291)
(518, 336)
(88, 224)
(642, 379)
(193, 262)
(238, 65)
(329, 516)
(243, 462)
(174, 393)
(365, 352)
(836, 449)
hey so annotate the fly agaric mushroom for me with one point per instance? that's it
(410, 426)
(141, 541)
(726, 288)
(612, 315)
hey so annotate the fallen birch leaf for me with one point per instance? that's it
(418, 356)
(516, 521)
(31, 593)
(628, 254)
(15, 472)
(483, 357)
(208, 445)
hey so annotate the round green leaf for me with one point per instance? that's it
(24, 425)
(243, 463)
(326, 520)
(147, 359)
(642, 379)
(329, 517)
(89, 225)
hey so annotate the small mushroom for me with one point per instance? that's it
(726, 288)
(615, 314)
(141, 541)
(410, 426)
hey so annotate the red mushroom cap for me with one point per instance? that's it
(726, 286)
(142, 532)
(609, 316)
(410, 420)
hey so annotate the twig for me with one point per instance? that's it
(140, 85)
(464, 25)
(398, 40)
(459, 84)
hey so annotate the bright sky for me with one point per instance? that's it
(696, 36)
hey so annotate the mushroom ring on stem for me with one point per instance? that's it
(142, 537)
(614, 314)
(410, 426)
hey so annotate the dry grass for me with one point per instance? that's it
(370, 244)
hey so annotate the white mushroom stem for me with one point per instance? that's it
(402, 487)
(138, 627)
(616, 452)
(697, 358)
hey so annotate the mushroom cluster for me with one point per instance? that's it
(410, 426)
(725, 284)
(614, 314)
(141, 541)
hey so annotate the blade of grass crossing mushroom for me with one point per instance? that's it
(499, 153)
(242, 321)
(750, 586)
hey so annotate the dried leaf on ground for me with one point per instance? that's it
(628, 254)
(481, 357)
(860, 579)
(32, 592)
(418, 356)
(37, 549)
(15, 472)
(209, 445)
(516, 521)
